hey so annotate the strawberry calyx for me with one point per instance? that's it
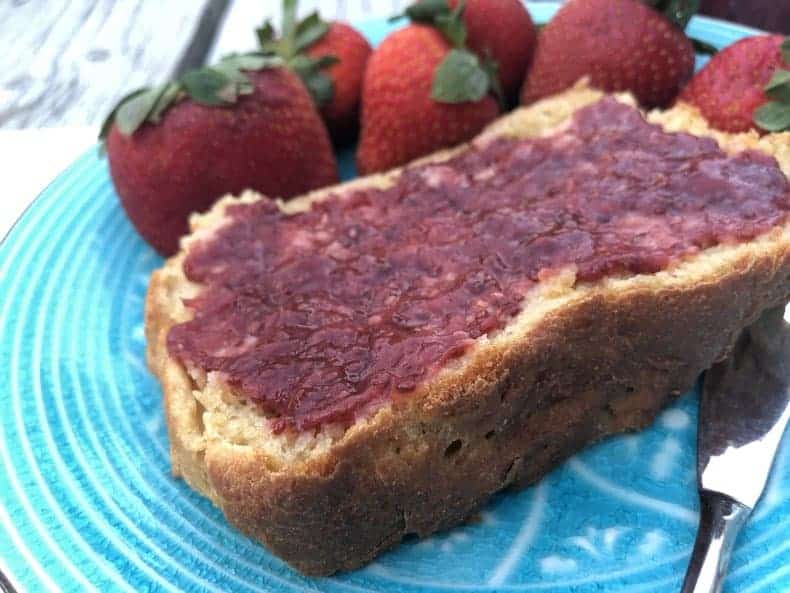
(774, 116)
(295, 37)
(219, 85)
(462, 75)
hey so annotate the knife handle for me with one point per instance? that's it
(720, 520)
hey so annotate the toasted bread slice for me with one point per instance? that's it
(581, 361)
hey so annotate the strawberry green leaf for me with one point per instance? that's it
(210, 86)
(450, 25)
(229, 93)
(779, 86)
(308, 22)
(310, 30)
(132, 113)
(250, 61)
(317, 82)
(452, 29)
(295, 36)
(237, 82)
(303, 64)
(234, 76)
(773, 117)
(459, 78)
(325, 61)
(785, 48)
(426, 11)
(110, 119)
(169, 95)
(217, 85)
(265, 34)
(438, 14)
(320, 87)
(289, 49)
(491, 68)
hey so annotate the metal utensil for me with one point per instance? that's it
(744, 409)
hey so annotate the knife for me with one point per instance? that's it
(744, 409)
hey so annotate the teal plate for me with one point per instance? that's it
(87, 502)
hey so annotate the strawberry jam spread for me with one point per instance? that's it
(317, 315)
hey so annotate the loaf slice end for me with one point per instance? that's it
(580, 362)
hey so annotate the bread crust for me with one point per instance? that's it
(580, 363)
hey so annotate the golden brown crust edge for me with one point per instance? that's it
(604, 361)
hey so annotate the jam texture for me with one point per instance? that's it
(317, 315)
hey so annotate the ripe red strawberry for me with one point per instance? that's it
(259, 131)
(351, 50)
(503, 29)
(731, 87)
(400, 118)
(330, 59)
(622, 45)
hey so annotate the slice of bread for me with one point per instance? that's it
(581, 361)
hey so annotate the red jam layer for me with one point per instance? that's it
(317, 315)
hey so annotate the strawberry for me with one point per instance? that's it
(400, 118)
(243, 124)
(352, 51)
(622, 45)
(329, 57)
(424, 90)
(504, 30)
(734, 91)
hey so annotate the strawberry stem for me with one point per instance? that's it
(288, 33)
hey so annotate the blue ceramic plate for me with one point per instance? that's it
(87, 502)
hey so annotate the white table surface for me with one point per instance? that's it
(31, 157)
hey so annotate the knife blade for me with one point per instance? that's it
(744, 410)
